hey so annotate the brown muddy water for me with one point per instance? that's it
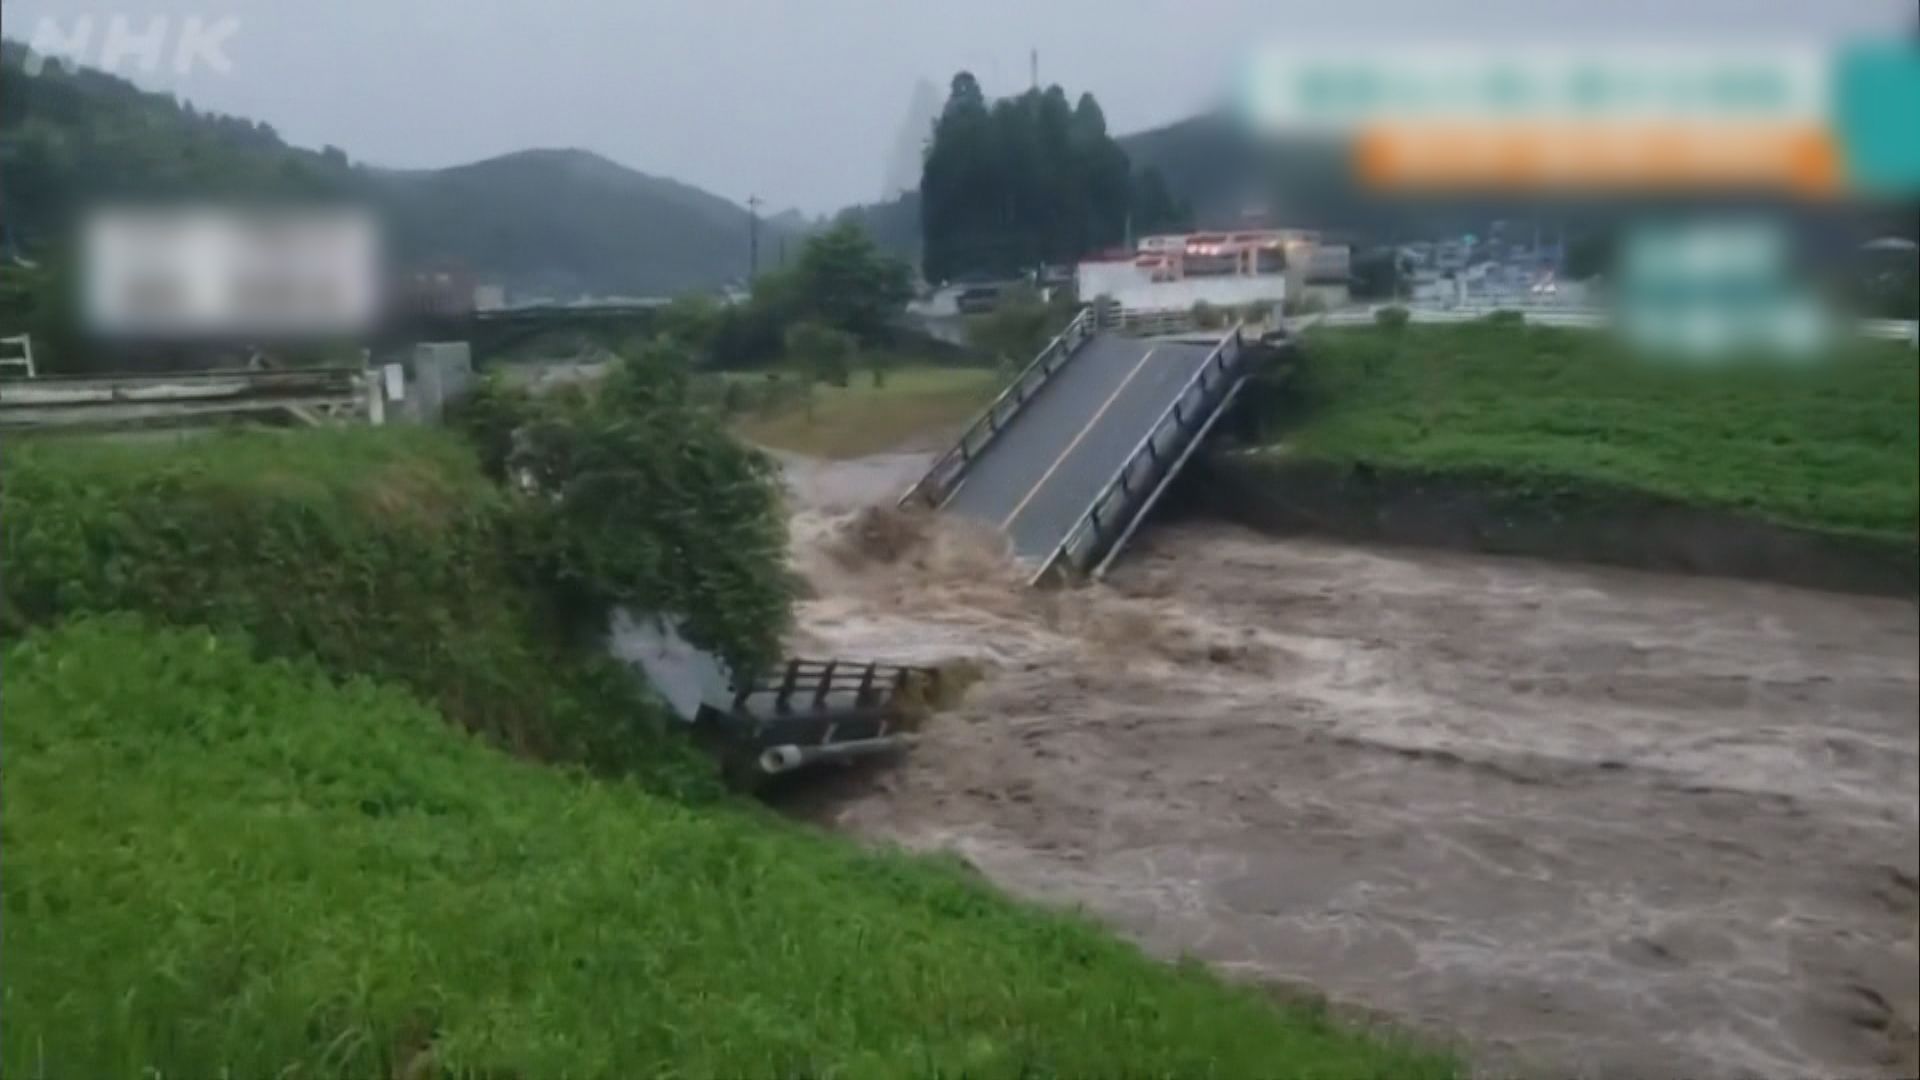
(1581, 821)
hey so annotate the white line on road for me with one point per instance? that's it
(1104, 406)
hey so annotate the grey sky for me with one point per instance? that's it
(800, 101)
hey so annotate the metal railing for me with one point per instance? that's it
(1137, 323)
(1113, 515)
(937, 485)
(812, 711)
(23, 361)
(1152, 322)
(1569, 318)
(818, 684)
(188, 398)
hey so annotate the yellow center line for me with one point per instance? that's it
(1104, 406)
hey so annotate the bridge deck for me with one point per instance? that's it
(1038, 477)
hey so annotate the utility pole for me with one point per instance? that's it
(1033, 67)
(753, 237)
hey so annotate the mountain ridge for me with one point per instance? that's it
(553, 221)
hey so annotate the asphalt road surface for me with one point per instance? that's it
(1039, 476)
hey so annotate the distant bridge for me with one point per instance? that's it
(496, 330)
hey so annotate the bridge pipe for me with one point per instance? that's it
(777, 760)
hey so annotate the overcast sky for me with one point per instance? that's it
(799, 101)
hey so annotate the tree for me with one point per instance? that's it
(1029, 180)
(840, 281)
(691, 319)
(1103, 174)
(844, 281)
(639, 498)
(39, 301)
(1015, 330)
(1154, 207)
(825, 353)
(959, 182)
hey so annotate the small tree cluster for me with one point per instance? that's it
(634, 495)
(841, 282)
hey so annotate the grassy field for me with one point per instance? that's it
(917, 405)
(222, 866)
(1835, 447)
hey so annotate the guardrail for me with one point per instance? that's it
(1891, 330)
(1116, 512)
(1565, 318)
(307, 395)
(939, 481)
(1150, 323)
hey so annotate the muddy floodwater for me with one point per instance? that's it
(1578, 821)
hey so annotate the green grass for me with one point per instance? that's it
(917, 403)
(1834, 447)
(222, 866)
(380, 552)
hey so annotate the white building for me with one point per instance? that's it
(1222, 269)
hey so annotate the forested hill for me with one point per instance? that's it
(547, 222)
(67, 139)
(568, 222)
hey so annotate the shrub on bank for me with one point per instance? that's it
(633, 494)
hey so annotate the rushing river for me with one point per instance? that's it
(1586, 821)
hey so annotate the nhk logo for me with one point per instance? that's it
(121, 44)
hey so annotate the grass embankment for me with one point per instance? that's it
(218, 866)
(262, 850)
(915, 403)
(1833, 447)
(384, 553)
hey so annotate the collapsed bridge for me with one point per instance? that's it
(1074, 453)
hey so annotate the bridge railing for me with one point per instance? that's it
(1136, 322)
(1542, 314)
(1113, 515)
(187, 398)
(817, 684)
(940, 480)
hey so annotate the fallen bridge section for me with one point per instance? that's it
(941, 482)
(1070, 477)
